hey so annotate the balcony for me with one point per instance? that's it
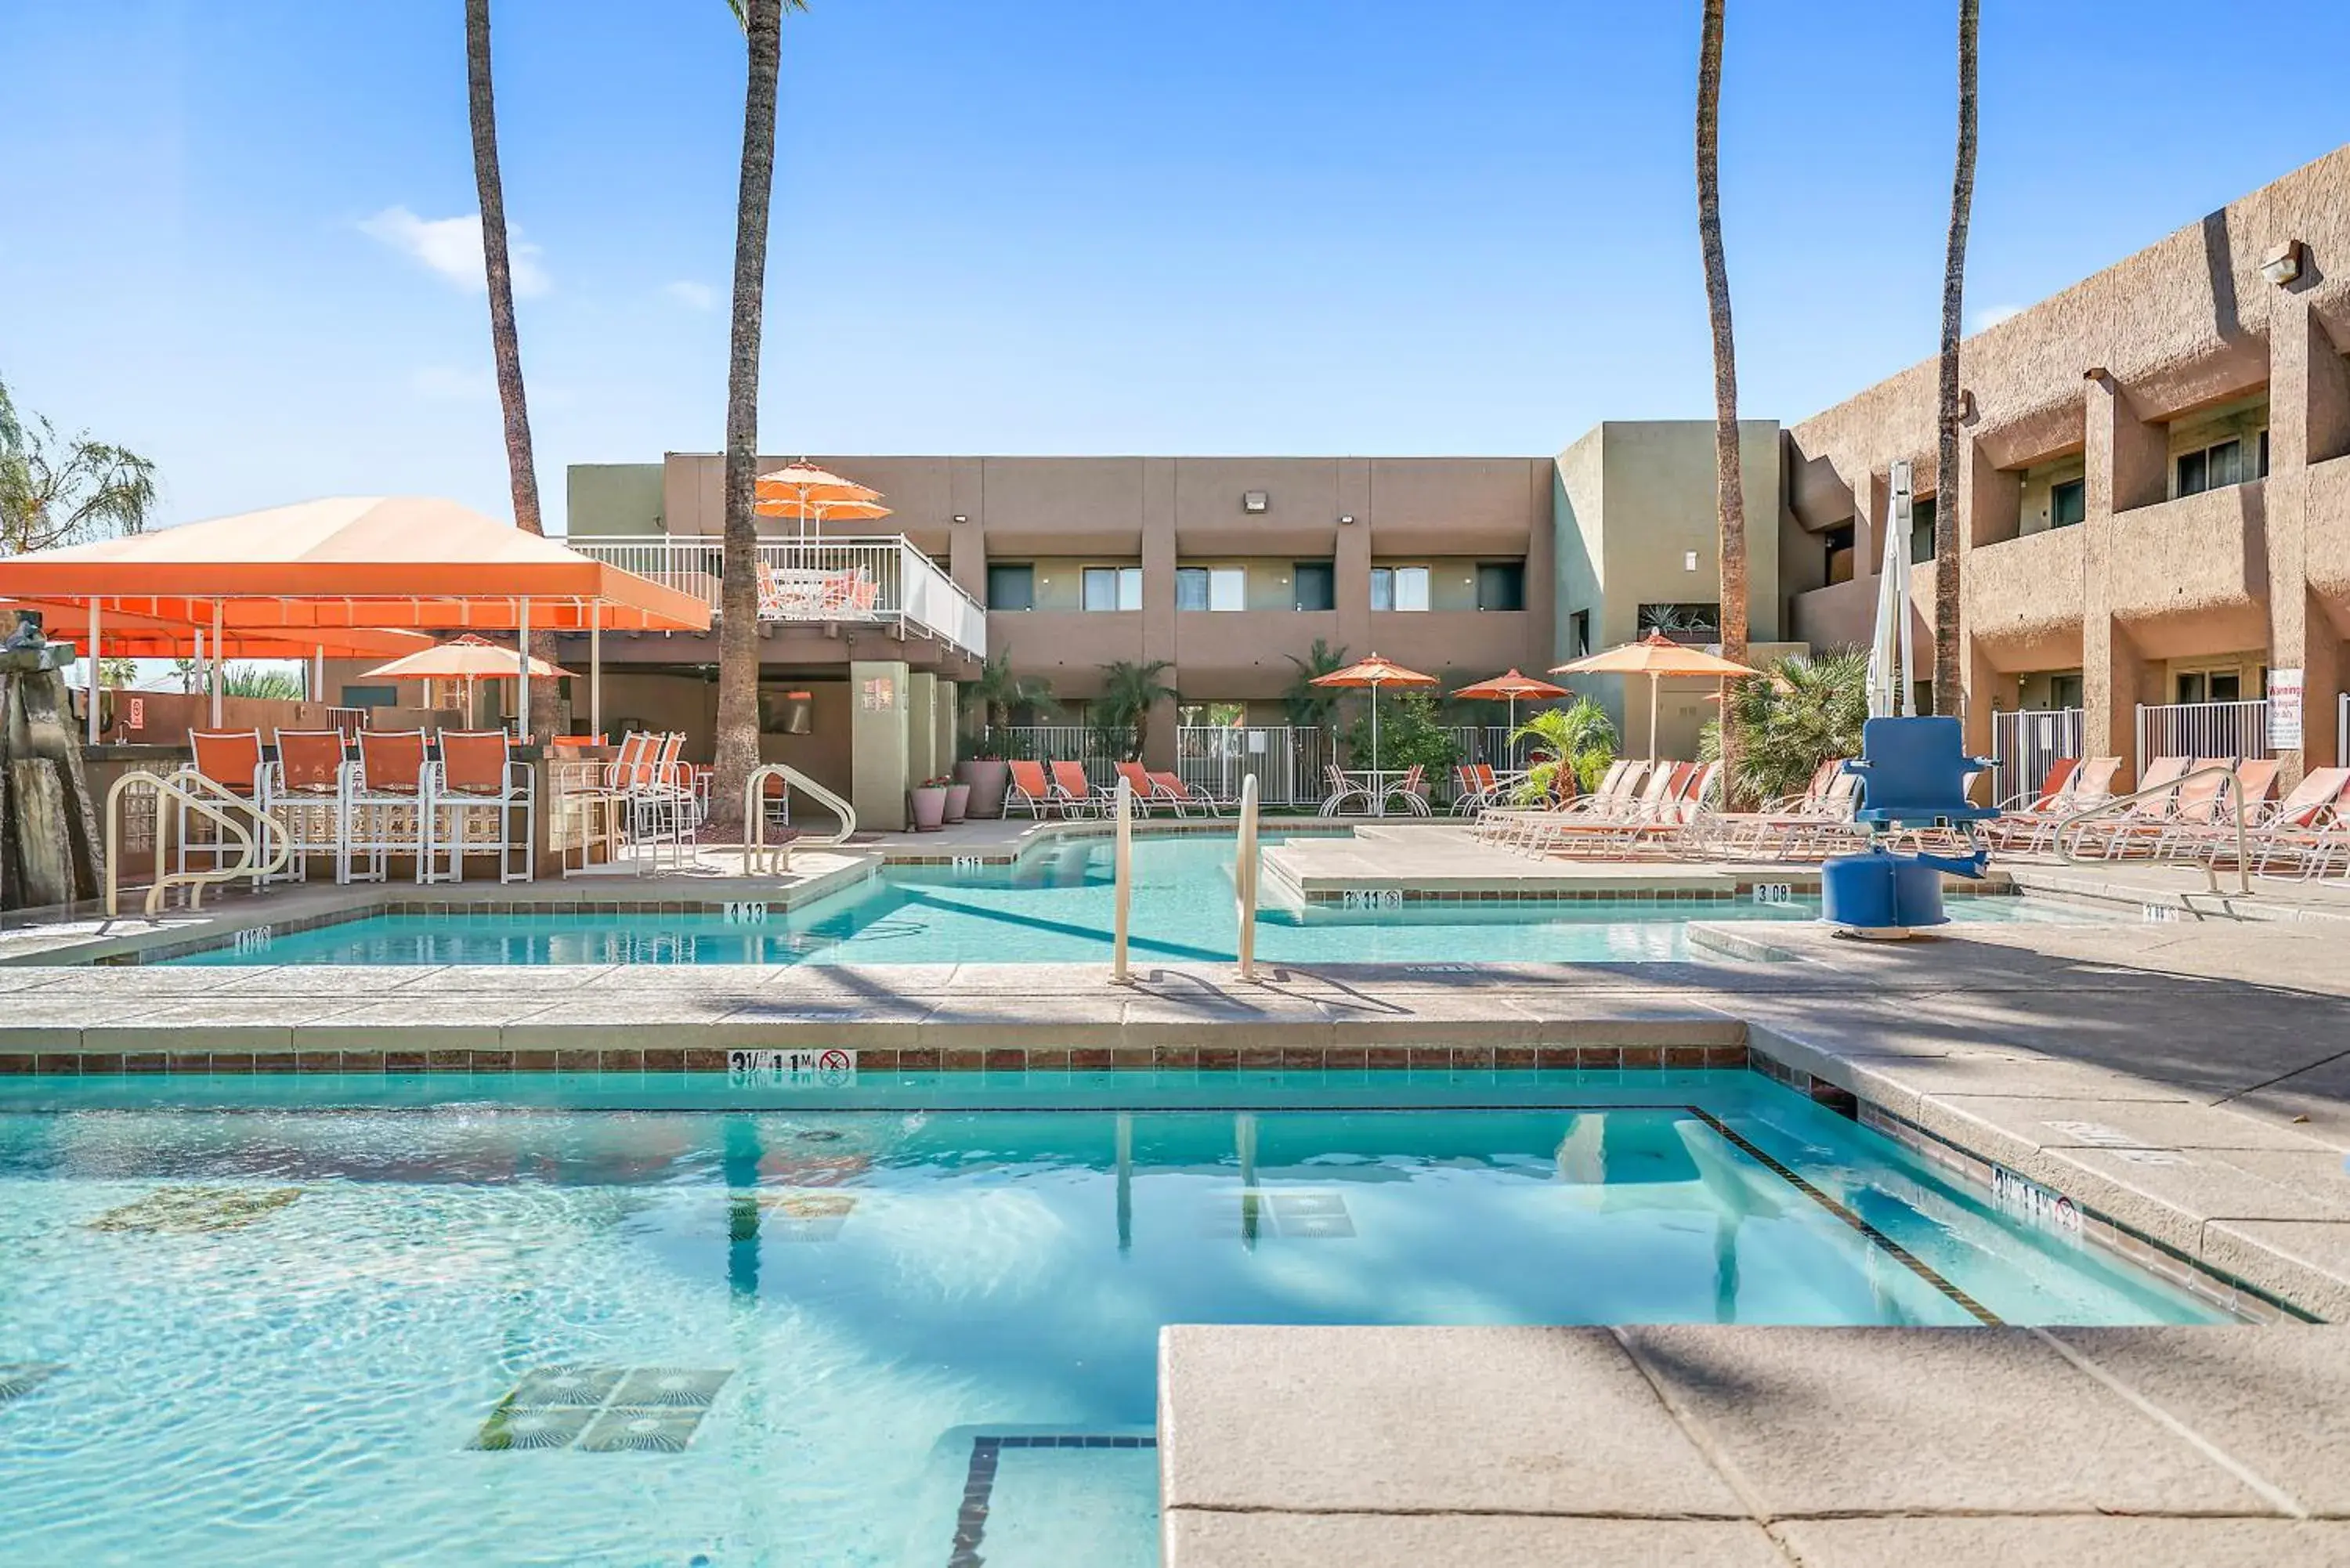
(874, 581)
(2025, 597)
(2197, 565)
(1435, 641)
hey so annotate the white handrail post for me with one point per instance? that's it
(1123, 894)
(1244, 874)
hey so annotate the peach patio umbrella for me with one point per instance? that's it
(468, 659)
(803, 491)
(1655, 656)
(1509, 689)
(1375, 672)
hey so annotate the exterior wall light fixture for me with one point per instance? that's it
(1688, 560)
(2283, 264)
(962, 517)
(1254, 501)
(1347, 519)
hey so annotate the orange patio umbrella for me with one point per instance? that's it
(801, 489)
(1375, 672)
(1509, 689)
(1655, 656)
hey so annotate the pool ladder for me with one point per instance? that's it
(193, 792)
(1246, 870)
(760, 858)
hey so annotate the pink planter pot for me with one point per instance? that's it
(929, 809)
(957, 801)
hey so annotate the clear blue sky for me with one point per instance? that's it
(1221, 226)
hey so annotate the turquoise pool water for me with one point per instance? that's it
(1055, 908)
(305, 1321)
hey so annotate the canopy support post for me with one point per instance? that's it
(521, 654)
(595, 669)
(216, 671)
(318, 673)
(96, 681)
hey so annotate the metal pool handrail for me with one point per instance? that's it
(1245, 866)
(177, 788)
(2211, 872)
(1122, 904)
(778, 860)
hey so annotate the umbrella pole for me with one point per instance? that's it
(1378, 795)
(95, 682)
(1654, 684)
(596, 671)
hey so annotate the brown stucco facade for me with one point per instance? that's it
(2088, 554)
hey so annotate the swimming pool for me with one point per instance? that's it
(1054, 906)
(274, 1321)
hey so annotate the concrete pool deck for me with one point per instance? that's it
(1524, 1448)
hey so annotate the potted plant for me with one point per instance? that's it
(994, 697)
(957, 801)
(928, 801)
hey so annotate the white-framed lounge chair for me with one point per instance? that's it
(1619, 791)
(1027, 789)
(2032, 825)
(1077, 793)
(1475, 788)
(1610, 827)
(2157, 788)
(483, 802)
(232, 760)
(387, 806)
(1171, 789)
(2200, 830)
(2301, 833)
(1138, 778)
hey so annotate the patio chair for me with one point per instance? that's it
(387, 806)
(2157, 788)
(1171, 788)
(1138, 778)
(1555, 830)
(233, 761)
(1510, 826)
(1074, 791)
(306, 796)
(478, 783)
(2303, 831)
(1029, 789)
(1407, 789)
(662, 804)
(2032, 826)
(1475, 788)
(2202, 829)
(1342, 790)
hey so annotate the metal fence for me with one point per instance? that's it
(1286, 760)
(2027, 743)
(2239, 729)
(1055, 744)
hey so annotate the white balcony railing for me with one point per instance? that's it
(883, 579)
(2238, 729)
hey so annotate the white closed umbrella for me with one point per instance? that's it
(1891, 652)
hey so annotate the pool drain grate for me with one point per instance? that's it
(603, 1409)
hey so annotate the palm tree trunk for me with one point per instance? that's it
(738, 624)
(505, 344)
(1950, 657)
(1729, 483)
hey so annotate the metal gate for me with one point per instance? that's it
(1284, 760)
(2239, 729)
(2027, 744)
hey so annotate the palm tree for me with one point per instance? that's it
(996, 692)
(57, 491)
(1129, 690)
(1580, 737)
(738, 607)
(1305, 704)
(1729, 484)
(1947, 660)
(505, 344)
(1806, 711)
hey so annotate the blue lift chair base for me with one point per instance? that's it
(1913, 776)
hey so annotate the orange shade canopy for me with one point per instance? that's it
(1655, 655)
(804, 481)
(1511, 687)
(467, 657)
(122, 635)
(1374, 671)
(356, 561)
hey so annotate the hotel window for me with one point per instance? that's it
(1921, 530)
(2213, 468)
(2068, 502)
(1398, 588)
(1012, 588)
(1501, 586)
(2063, 692)
(1112, 588)
(1837, 543)
(1316, 583)
(1580, 624)
(1211, 588)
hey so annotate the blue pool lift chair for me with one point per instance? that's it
(1913, 776)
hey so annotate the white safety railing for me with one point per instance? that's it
(233, 815)
(2027, 743)
(2239, 729)
(758, 858)
(1122, 889)
(1284, 760)
(1247, 864)
(882, 579)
